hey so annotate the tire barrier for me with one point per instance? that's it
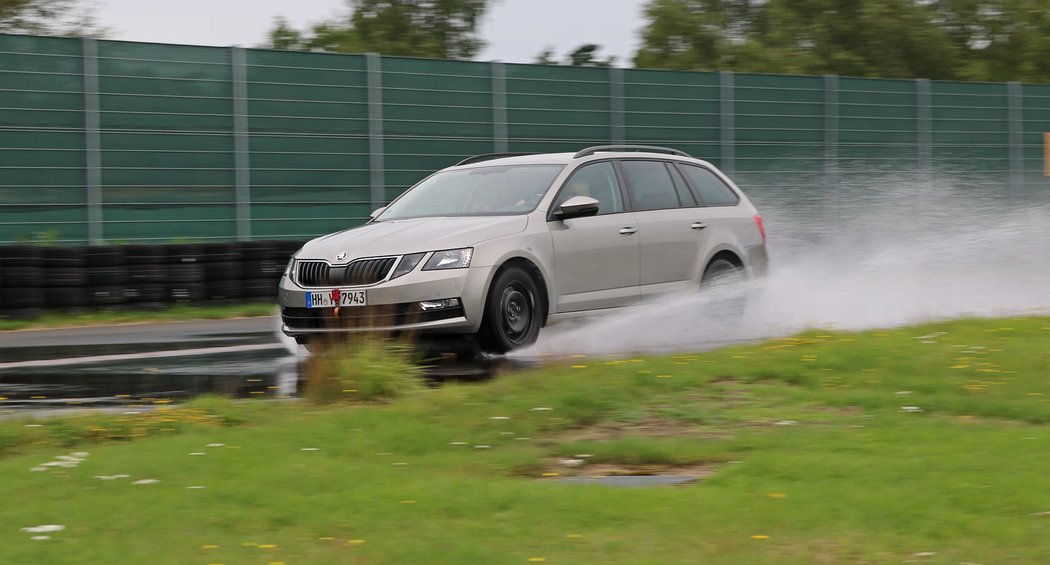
(35, 279)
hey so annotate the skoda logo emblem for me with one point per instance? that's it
(341, 256)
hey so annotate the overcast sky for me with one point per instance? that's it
(515, 30)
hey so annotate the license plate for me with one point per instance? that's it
(333, 298)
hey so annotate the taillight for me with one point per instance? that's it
(761, 228)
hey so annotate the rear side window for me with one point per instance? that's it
(712, 190)
(650, 185)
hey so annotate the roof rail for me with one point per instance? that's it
(489, 157)
(647, 148)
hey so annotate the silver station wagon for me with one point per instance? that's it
(500, 245)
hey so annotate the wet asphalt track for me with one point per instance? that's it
(143, 363)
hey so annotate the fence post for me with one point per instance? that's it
(241, 149)
(728, 123)
(373, 64)
(924, 127)
(1015, 117)
(616, 121)
(499, 107)
(92, 142)
(831, 131)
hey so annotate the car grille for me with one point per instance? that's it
(357, 273)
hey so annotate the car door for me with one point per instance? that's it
(672, 232)
(595, 257)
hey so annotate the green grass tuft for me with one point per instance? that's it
(362, 369)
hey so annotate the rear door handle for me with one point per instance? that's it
(628, 231)
(698, 225)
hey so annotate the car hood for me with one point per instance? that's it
(398, 237)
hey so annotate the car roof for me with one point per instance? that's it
(562, 158)
(528, 159)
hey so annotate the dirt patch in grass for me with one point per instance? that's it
(650, 426)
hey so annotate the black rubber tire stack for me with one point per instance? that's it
(187, 274)
(147, 277)
(64, 278)
(107, 276)
(223, 273)
(261, 273)
(21, 291)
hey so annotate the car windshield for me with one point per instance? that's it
(482, 191)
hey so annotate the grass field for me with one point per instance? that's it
(922, 444)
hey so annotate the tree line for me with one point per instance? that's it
(972, 40)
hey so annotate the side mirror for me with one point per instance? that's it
(376, 212)
(577, 207)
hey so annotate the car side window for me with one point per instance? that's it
(685, 196)
(712, 190)
(650, 185)
(597, 180)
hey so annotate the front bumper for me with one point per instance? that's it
(392, 305)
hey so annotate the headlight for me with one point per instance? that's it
(408, 262)
(451, 259)
(290, 267)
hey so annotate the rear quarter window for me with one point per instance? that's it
(712, 190)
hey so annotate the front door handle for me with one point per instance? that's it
(628, 230)
(698, 225)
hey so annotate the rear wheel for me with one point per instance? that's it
(513, 312)
(729, 296)
(721, 271)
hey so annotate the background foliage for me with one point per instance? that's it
(973, 40)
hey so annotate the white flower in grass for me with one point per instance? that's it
(44, 529)
(145, 482)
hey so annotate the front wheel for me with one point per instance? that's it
(513, 312)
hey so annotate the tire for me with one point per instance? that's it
(186, 273)
(260, 288)
(21, 256)
(150, 296)
(145, 274)
(104, 256)
(145, 254)
(224, 290)
(22, 300)
(221, 252)
(724, 279)
(223, 271)
(721, 271)
(107, 276)
(22, 277)
(188, 293)
(67, 298)
(513, 312)
(106, 296)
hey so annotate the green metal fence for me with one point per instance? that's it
(104, 141)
